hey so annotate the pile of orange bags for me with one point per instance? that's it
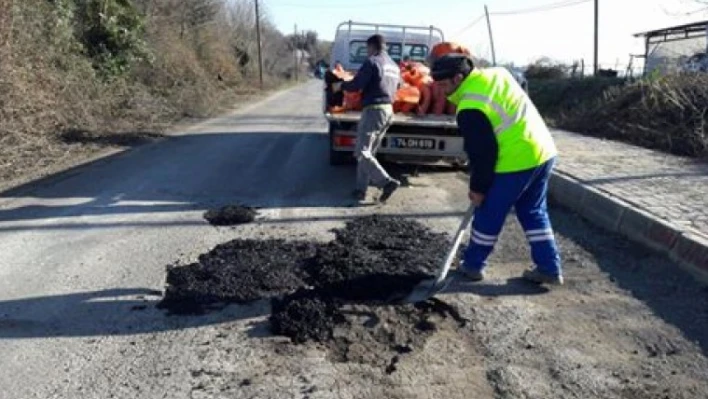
(352, 100)
(418, 92)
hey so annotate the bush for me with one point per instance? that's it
(111, 31)
(107, 66)
(558, 96)
(536, 71)
(668, 113)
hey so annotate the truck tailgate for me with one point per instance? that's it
(430, 121)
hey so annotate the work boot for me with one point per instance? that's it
(537, 277)
(389, 189)
(472, 275)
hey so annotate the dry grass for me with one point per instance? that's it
(667, 114)
(49, 87)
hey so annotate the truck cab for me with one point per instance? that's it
(412, 138)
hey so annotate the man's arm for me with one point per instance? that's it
(481, 147)
(362, 78)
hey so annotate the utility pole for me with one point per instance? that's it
(491, 38)
(6, 27)
(295, 50)
(258, 37)
(597, 7)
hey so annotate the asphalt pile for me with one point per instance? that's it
(374, 258)
(305, 316)
(239, 271)
(317, 289)
(231, 215)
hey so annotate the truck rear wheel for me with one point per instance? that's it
(340, 158)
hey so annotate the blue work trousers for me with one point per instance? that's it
(526, 192)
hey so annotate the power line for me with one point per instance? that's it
(475, 22)
(357, 5)
(547, 7)
(683, 14)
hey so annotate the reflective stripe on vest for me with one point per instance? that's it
(522, 136)
(507, 119)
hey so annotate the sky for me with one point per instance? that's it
(562, 29)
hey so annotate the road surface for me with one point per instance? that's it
(83, 257)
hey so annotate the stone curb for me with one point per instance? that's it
(685, 247)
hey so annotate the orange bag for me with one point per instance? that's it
(352, 101)
(407, 98)
(439, 100)
(416, 74)
(403, 108)
(426, 99)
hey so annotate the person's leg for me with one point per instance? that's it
(489, 220)
(364, 142)
(389, 185)
(369, 171)
(382, 133)
(532, 213)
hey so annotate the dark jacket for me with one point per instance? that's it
(378, 79)
(333, 99)
(481, 148)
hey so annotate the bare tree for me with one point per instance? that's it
(6, 13)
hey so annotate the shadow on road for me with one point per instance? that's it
(114, 312)
(671, 293)
(120, 312)
(493, 289)
(192, 173)
(123, 139)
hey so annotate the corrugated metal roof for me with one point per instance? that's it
(692, 27)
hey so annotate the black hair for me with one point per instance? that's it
(447, 66)
(377, 42)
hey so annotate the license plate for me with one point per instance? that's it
(412, 143)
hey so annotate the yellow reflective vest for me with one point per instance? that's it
(523, 139)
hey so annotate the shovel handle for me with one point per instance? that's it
(466, 220)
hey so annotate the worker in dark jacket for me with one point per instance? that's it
(511, 154)
(378, 79)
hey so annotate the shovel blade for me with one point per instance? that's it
(422, 292)
(427, 289)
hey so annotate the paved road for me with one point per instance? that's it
(82, 253)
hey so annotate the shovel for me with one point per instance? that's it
(428, 288)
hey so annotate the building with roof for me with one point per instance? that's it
(676, 49)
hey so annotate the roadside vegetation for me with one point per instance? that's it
(667, 113)
(76, 75)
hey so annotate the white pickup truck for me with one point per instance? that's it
(411, 138)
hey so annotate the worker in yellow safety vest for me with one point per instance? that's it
(511, 155)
